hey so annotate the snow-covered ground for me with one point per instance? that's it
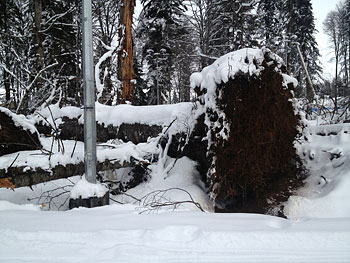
(118, 233)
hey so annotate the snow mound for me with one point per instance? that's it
(175, 181)
(326, 191)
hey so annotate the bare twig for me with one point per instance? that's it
(13, 161)
(157, 199)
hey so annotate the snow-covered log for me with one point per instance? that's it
(250, 127)
(16, 133)
(124, 122)
(20, 176)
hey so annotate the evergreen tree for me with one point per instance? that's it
(233, 26)
(183, 63)
(271, 26)
(300, 30)
(140, 97)
(15, 46)
(60, 33)
(159, 27)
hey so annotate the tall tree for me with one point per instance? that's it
(336, 27)
(107, 44)
(271, 24)
(201, 19)
(126, 71)
(10, 21)
(300, 30)
(159, 27)
(221, 26)
(233, 26)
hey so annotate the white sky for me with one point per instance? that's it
(321, 9)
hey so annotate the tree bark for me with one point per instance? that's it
(38, 9)
(126, 72)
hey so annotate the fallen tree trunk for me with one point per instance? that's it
(16, 133)
(21, 176)
(71, 129)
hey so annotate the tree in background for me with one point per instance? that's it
(300, 30)
(159, 26)
(126, 73)
(12, 45)
(202, 24)
(233, 26)
(271, 25)
(183, 63)
(221, 27)
(107, 44)
(336, 27)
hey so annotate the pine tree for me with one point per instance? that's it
(271, 26)
(300, 30)
(15, 46)
(159, 27)
(9, 18)
(233, 26)
(59, 29)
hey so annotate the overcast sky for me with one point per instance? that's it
(321, 9)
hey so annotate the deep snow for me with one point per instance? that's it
(118, 233)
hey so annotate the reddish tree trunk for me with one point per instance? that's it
(126, 72)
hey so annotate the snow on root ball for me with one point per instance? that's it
(251, 128)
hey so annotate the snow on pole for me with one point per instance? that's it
(89, 96)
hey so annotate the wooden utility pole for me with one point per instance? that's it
(126, 72)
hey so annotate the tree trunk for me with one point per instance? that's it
(126, 72)
(38, 9)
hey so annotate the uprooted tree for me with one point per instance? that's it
(250, 126)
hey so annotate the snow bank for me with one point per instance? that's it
(326, 191)
(36, 158)
(118, 232)
(161, 115)
(180, 182)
